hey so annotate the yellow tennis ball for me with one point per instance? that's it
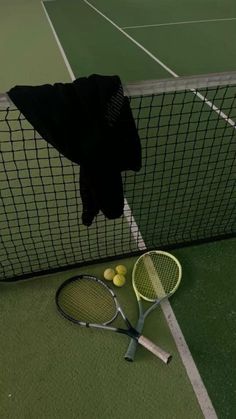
(119, 280)
(109, 274)
(121, 269)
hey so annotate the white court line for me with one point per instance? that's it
(185, 354)
(207, 102)
(128, 213)
(132, 40)
(187, 22)
(72, 76)
(191, 369)
(215, 109)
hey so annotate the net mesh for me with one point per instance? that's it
(184, 193)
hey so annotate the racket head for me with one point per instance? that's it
(156, 275)
(86, 300)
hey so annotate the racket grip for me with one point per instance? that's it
(156, 350)
(130, 353)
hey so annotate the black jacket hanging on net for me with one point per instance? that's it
(90, 122)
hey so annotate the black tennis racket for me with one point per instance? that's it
(89, 302)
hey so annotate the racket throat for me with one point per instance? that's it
(131, 332)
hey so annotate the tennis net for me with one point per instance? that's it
(185, 192)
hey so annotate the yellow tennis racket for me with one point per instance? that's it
(156, 276)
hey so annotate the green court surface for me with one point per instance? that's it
(184, 49)
(56, 369)
(49, 367)
(206, 312)
(52, 368)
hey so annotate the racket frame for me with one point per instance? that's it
(131, 350)
(87, 324)
(130, 331)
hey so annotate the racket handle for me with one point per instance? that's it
(156, 350)
(130, 353)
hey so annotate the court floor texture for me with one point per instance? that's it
(51, 368)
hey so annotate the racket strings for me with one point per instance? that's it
(87, 301)
(156, 276)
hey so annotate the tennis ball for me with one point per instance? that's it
(109, 274)
(121, 270)
(119, 280)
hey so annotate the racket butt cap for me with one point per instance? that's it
(169, 359)
(166, 361)
(127, 358)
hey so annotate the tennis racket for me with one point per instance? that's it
(156, 276)
(89, 302)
